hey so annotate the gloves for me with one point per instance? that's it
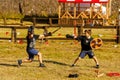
(48, 34)
(69, 36)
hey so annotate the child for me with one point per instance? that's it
(86, 48)
(30, 48)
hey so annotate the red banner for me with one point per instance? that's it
(84, 1)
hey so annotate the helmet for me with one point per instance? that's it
(31, 29)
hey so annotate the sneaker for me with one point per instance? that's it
(19, 62)
(97, 66)
(73, 75)
(41, 65)
(72, 65)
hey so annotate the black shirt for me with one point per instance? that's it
(85, 42)
(31, 41)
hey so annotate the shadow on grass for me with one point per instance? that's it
(55, 62)
(46, 61)
(5, 64)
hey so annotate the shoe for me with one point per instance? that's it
(72, 65)
(42, 65)
(19, 62)
(73, 75)
(97, 66)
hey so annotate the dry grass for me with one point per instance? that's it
(58, 55)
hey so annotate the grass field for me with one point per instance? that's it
(58, 56)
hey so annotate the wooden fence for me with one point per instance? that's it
(55, 22)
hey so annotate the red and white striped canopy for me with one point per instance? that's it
(84, 1)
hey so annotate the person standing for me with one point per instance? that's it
(86, 48)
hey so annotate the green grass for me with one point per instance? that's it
(57, 56)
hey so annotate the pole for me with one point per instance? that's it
(59, 13)
(75, 24)
(118, 28)
(75, 21)
(13, 34)
(110, 7)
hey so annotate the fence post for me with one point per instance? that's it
(75, 24)
(80, 29)
(118, 28)
(50, 21)
(78, 26)
(21, 21)
(34, 21)
(13, 34)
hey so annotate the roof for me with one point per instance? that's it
(83, 1)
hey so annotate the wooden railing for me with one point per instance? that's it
(55, 22)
